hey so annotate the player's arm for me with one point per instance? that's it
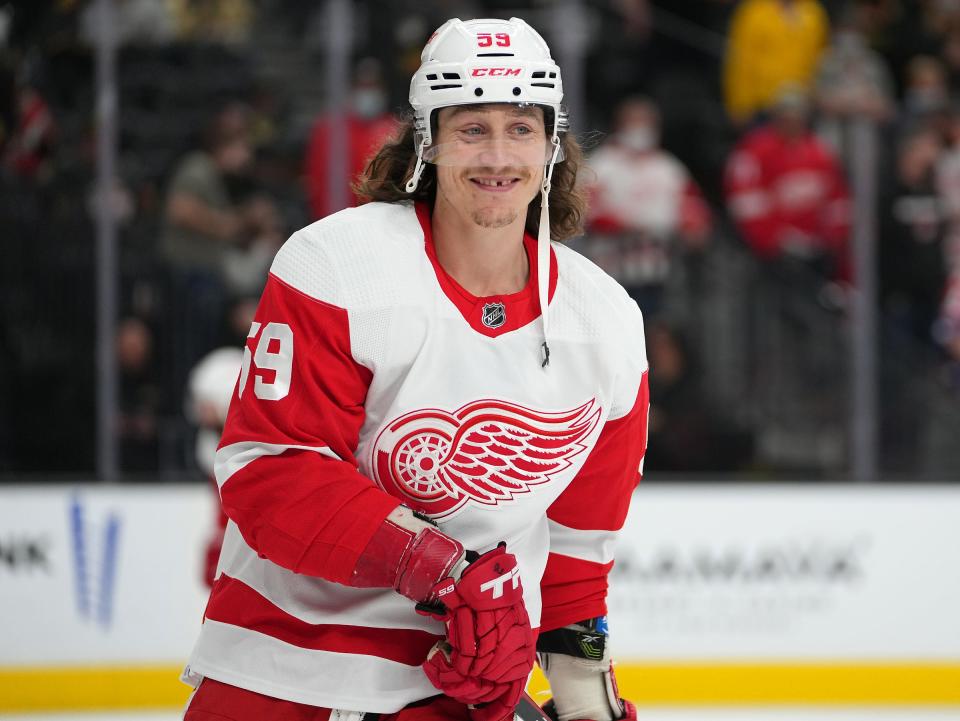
(286, 466)
(584, 522)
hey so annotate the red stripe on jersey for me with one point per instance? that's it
(599, 497)
(573, 590)
(235, 603)
(221, 701)
(306, 512)
(520, 308)
(596, 500)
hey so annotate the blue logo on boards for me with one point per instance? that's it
(94, 562)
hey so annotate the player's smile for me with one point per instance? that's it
(495, 184)
(488, 181)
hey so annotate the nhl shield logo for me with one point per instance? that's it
(494, 315)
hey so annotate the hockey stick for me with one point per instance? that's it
(529, 710)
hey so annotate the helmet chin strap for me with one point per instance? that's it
(417, 169)
(543, 250)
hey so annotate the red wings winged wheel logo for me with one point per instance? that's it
(487, 452)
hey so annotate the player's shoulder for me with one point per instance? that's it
(368, 224)
(595, 303)
(582, 275)
(365, 245)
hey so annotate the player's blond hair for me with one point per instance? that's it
(389, 169)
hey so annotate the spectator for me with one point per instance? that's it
(202, 224)
(29, 144)
(925, 95)
(786, 192)
(139, 404)
(368, 124)
(913, 225)
(201, 218)
(644, 206)
(772, 44)
(913, 281)
(852, 82)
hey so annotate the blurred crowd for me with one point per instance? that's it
(722, 138)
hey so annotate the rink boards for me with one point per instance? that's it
(721, 594)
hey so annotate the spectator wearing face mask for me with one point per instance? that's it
(645, 207)
(368, 125)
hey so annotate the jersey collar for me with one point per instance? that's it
(519, 309)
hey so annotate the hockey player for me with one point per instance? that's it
(438, 425)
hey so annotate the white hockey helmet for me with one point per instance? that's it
(485, 61)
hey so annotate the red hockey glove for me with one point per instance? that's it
(409, 554)
(500, 709)
(491, 644)
(479, 693)
(487, 700)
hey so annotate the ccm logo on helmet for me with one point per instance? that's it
(496, 585)
(495, 72)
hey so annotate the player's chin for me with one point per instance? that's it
(495, 217)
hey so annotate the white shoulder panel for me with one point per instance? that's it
(354, 258)
(591, 306)
(589, 303)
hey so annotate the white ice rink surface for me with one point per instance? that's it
(645, 714)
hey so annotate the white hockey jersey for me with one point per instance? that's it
(371, 378)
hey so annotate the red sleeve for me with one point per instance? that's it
(585, 518)
(286, 466)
